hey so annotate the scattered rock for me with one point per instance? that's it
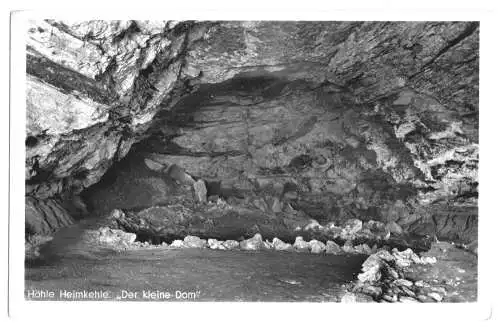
(200, 191)
(371, 269)
(390, 298)
(317, 246)
(403, 282)
(332, 247)
(279, 245)
(435, 296)
(115, 237)
(178, 244)
(313, 225)
(215, 244)
(406, 299)
(373, 291)
(194, 242)
(252, 244)
(351, 227)
(424, 299)
(428, 260)
(231, 244)
(300, 245)
(347, 247)
(421, 283)
(405, 258)
(363, 249)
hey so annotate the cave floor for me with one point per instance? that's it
(201, 274)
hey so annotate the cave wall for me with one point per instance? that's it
(360, 116)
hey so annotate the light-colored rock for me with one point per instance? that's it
(347, 247)
(363, 249)
(371, 269)
(317, 246)
(252, 244)
(279, 245)
(435, 296)
(215, 244)
(332, 247)
(350, 228)
(300, 245)
(313, 225)
(231, 244)
(194, 242)
(428, 260)
(178, 244)
(407, 299)
(403, 282)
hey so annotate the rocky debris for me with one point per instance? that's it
(332, 248)
(94, 89)
(231, 244)
(383, 279)
(194, 242)
(435, 296)
(313, 225)
(363, 249)
(200, 191)
(215, 244)
(252, 244)
(279, 245)
(178, 244)
(351, 227)
(317, 246)
(347, 247)
(115, 237)
(300, 245)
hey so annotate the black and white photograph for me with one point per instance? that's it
(317, 161)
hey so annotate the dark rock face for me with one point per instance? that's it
(338, 120)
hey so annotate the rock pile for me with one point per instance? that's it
(383, 279)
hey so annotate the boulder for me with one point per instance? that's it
(300, 245)
(252, 244)
(332, 247)
(194, 242)
(279, 245)
(372, 269)
(317, 246)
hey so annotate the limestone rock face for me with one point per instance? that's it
(340, 120)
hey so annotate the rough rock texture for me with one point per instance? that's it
(340, 120)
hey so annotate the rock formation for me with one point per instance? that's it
(337, 120)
